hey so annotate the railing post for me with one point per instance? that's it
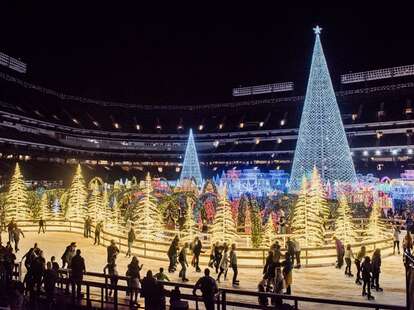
(223, 300)
(102, 297)
(218, 301)
(20, 271)
(115, 297)
(145, 248)
(88, 297)
(296, 304)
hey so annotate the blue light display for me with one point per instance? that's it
(191, 166)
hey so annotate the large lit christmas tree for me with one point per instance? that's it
(191, 166)
(148, 218)
(96, 209)
(45, 211)
(223, 228)
(344, 226)
(269, 234)
(376, 228)
(17, 198)
(113, 215)
(307, 223)
(321, 141)
(77, 198)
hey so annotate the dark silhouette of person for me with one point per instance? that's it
(149, 291)
(78, 269)
(197, 251)
(98, 229)
(49, 282)
(42, 225)
(16, 236)
(111, 251)
(208, 287)
(172, 254)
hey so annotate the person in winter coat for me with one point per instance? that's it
(224, 264)
(172, 254)
(197, 246)
(396, 237)
(340, 252)
(112, 252)
(348, 255)
(366, 271)
(376, 270)
(358, 260)
(182, 259)
(16, 236)
(78, 269)
(68, 255)
(131, 239)
(233, 264)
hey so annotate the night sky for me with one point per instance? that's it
(191, 55)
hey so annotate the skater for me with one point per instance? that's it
(10, 228)
(376, 270)
(224, 264)
(197, 246)
(42, 225)
(348, 255)
(340, 251)
(131, 239)
(408, 243)
(182, 259)
(113, 275)
(172, 254)
(111, 251)
(217, 256)
(358, 261)
(396, 236)
(68, 255)
(366, 270)
(98, 229)
(233, 264)
(297, 252)
(133, 272)
(16, 236)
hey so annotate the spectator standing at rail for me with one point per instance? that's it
(172, 254)
(376, 270)
(42, 225)
(98, 229)
(290, 249)
(10, 229)
(298, 249)
(149, 291)
(55, 265)
(358, 260)
(78, 268)
(197, 250)
(111, 251)
(16, 236)
(182, 259)
(68, 255)
(396, 237)
(233, 264)
(161, 276)
(208, 287)
(131, 239)
(49, 280)
(133, 272)
(113, 275)
(287, 273)
(37, 269)
(366, 270)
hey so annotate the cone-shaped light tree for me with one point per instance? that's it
(321, 141)
(45, 211)
(17, 198)
(223, 228)
(269, 234)
(148, 218)
(376, 228)
(307, 223)
(190, 227)
(96, 209)
(317, 196)
(344, 226)
(256, 234)
(191, 166)
(77, 198)
(113, 215)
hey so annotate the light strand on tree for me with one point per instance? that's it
(16, 198)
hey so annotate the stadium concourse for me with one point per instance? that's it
(323, 282)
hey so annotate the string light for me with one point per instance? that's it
(241, 125)
(261, 124)
(191, 166)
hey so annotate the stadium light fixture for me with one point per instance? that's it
(241, 125)
(261, 124)
(12, 63)
(410, 151)
(379, 74)
(216, 143)
(282, 122)
(279, 140)
(262, 89)
(378, 153)
(365, 153)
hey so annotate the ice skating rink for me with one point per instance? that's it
(324, 282)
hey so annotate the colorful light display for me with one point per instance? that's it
(191, 166)
(322, 141)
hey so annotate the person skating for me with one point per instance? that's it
(112, 252)
(131, 239)
(376, 270)
(42, 225)
(396, 238)
(358, 260)
(287, 273)
(10, 229)
(182, 259)
(88, 227)
(208, 287)
(348, 255)
(233, 264)
(217, 256)
(297, 253)
(16, 236)
(98, 229)
(113, 275)
(133, 272)
(340, 251)
(366, 270)
(49, 282)
(224, 264)
(172, 254)
(197, 246)
(68, 255)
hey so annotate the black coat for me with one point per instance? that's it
(78, 267)
(197, 248)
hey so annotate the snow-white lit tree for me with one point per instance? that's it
(376, 228)
(113, 215)
(223, 228)
(269, 232)
(344, 226)
(77, 198)
(148, 218)
(306, 222)
(45, 211)
(96, 210)
(190, 227)
(16, 198)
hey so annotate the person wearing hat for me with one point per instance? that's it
(68, 254)
(112, 251)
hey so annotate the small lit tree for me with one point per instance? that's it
(96, 210)
(317, 195)
(113, 215)
(247, 221)
(306, 221)
(376, 228)
(190, 227)
(16, 198)
(344, 226)
(77, 198)
(223, 228)
(256, 220)
(269, 234)
(148, 218)
(44, 209)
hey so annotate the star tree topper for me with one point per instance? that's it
(317, 29)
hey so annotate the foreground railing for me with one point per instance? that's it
(247, 257)
(96, 295)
